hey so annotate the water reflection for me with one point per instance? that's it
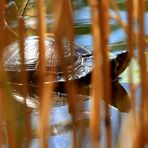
(60, 129)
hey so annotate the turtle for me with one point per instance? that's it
(80, 70)
(82, 67)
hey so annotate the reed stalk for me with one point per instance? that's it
(45, 106)
(97, 90)
(6, 114)
(144, 76)
(2, 8)
(104, 32)
(63, 29)
(131, 44)
(26, 114)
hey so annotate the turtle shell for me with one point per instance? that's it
(83, 63)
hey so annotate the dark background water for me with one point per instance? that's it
(60, 118)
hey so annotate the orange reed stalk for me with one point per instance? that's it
(104, 32)
(26, 115)
(144, 74)
(130, 130)
(63, 28)
(2, 10)
(6, 108)
(97, 91)
(43, 93)
(131, 43)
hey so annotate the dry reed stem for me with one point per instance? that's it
(24, 75)
(104, 32)
(42, 70)
(45, 112)
(1, 118)
(97, 91)
(7, 111)
(129, 129)
(63, 28)
(144, 76)
(131, 44)
(2, 8)
(135, 9)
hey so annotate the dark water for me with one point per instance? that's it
(61, 132)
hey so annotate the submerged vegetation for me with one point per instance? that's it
(38, 104)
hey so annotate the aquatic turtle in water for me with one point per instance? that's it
(83, 64)
(83, 67)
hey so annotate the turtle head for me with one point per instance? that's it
(119, 64)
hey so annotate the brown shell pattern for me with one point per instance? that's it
(82, 66)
